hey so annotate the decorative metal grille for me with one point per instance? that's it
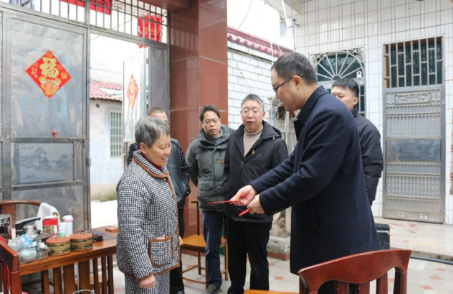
(413, 63)
(130, 17)
(331, 66)
(116, 138)
(413, 185)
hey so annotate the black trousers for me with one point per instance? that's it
(176, 283)
(247, 239)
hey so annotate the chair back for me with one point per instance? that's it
(360, 269)
(10, 273)
(10, 206)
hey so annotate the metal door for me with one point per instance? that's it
(44, 113)
(414, 153)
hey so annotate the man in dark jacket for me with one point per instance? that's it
(322, 180)
(370, 140)
(254, 149)
(205, 158)
(179, 174)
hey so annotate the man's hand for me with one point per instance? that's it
(180, 241)
(255, 206)
(244, 196)
(148, 283)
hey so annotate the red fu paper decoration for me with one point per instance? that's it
(48, 74)
(132, 91)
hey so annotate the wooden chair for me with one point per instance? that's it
(10, 207)
(360, 269)
(9, 260)
(196, 243)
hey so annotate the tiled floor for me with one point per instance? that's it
(424, 278)
(428, 240)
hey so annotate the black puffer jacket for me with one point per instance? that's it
(268, 152)
(372, 158)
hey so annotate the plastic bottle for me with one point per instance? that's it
(69, 226)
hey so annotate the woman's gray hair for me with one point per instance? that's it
(253, 97)
(149, 129)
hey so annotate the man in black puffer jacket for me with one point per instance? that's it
(179, 174)
(370, 140)
(254, 149)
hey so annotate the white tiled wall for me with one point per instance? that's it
(331, 25)
(249, 72)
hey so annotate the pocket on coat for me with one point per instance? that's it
(161, 251)
(205, 186)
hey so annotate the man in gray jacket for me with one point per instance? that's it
(205, 158)
(370, 140)
(179, 174)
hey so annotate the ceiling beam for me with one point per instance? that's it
(169, 5)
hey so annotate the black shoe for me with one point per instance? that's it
(211, 290)
(180, 292)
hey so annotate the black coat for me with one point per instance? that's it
(372, 159)
(268, 152)
(177, 167)
(323, 181)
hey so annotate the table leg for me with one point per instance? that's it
(110, 269)
(84, 275)
(57, 280)
(69, 279)
(104, 275)
(45, 281)
(97, 289)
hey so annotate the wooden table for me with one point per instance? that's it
(104, 250)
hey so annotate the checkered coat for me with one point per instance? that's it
(147, 221)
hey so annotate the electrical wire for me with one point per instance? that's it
(250, 6)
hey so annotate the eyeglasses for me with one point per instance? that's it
(209, 121)
(246, 111)
(276, 88)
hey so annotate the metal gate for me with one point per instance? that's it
(44, 101)
(414, 173)
(44, 114)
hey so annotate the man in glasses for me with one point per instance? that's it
(205, 158)
(370, 140)
(179, 174)
(254, 149)
(323, 178)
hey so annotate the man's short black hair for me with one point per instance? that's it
(155, 110)
(208, 108)
(348, 84)
(292, 64)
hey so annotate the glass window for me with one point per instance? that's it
(116, 138)
(342, 64)
(413, 63)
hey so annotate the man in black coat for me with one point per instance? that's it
(370, 140)
(254, 149)
(179, 174)
(322, 180)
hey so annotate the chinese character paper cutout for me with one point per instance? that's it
(48, 74)
(132, 91)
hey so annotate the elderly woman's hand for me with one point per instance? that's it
(149, 282)
(180, 241)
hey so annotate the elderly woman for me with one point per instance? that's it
(148, 237)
